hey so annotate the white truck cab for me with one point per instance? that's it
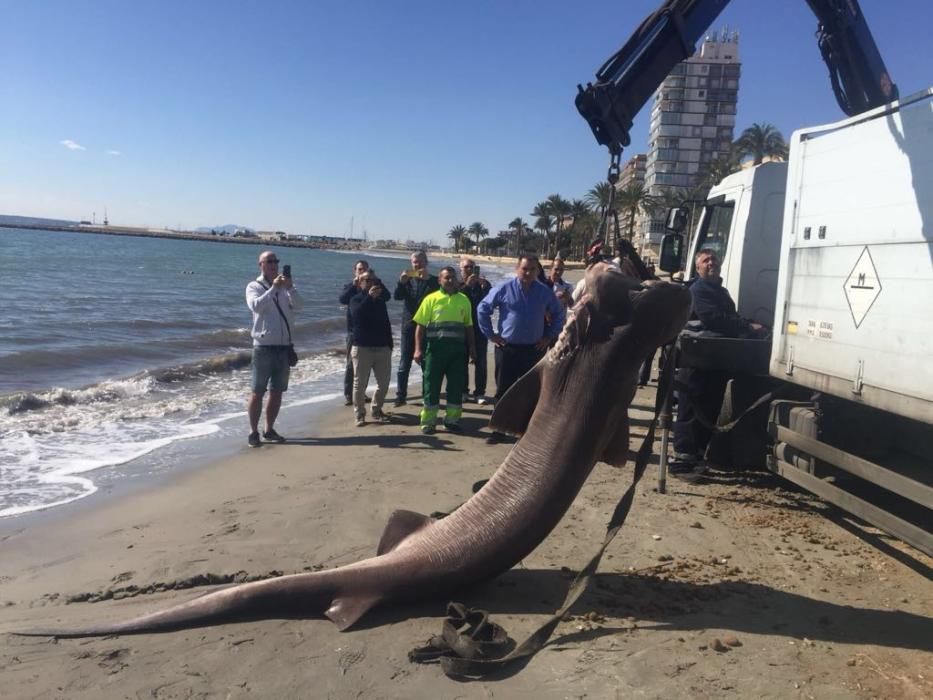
(741, 221)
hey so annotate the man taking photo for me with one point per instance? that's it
(272, 299)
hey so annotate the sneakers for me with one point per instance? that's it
(453, 427)
(272, 436)
(253, 440)
(495, 438)
(481, 400)
(400, 401)
(428, 430)
(360, 421)
(378, 415)
(347, 400)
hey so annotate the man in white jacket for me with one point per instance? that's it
(273, 300)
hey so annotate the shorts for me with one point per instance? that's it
(270, 368)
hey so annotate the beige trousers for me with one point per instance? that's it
(366, 360)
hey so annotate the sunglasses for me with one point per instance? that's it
(270, 261)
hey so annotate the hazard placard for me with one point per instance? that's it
(862, 287)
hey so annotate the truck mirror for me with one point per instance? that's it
(672, 253)
(676, 219)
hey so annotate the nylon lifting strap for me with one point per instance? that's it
(462, 657)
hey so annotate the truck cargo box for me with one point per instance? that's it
(855, 285)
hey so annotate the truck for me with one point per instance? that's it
(833, 250)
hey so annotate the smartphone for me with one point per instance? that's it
(476, 270)
(287, 271)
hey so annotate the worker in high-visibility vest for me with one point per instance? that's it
(443, 336)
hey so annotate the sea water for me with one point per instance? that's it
(112, 347)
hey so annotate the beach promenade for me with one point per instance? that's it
(736, 588)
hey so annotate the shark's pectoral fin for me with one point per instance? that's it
(513, 411)
(402, 523)
(616, 451)
(344, 611)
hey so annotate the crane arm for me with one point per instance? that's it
(668, 36)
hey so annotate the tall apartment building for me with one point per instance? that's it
(692, 121)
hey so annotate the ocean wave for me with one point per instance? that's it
(211, 365)
(109, 391)
(140, 383)
(137, 352)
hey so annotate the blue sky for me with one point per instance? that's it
(409, 116)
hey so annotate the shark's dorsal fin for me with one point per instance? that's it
(402, 523)
(616, 451)
(513, 411)
(344, 611)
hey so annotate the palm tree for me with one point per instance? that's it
(478, 231)
(760, 141)
(520, 230)
(559, 208)
(544, 220)
(583, 226)
(633, 199)
(456, 234)
(598, 197)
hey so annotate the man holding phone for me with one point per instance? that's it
(351, 289)
(413, 286)
(372, 345)
(272, 299)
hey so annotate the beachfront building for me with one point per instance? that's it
(633, 172)
(692, 123)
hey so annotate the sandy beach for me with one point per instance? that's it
(814, 606)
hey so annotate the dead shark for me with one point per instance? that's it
(571, 410)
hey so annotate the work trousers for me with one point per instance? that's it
(481, 347)
(512, 361)
(348, 370)
(366, 360)
(407, 351)
(443, 358)
(702, 393)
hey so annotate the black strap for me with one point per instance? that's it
(467, 633)
(275, 300)
(712, 424)
(457, 665)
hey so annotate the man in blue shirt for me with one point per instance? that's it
(522, 335)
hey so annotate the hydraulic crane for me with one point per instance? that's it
(668, 36)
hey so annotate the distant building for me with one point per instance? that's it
(692, 121)
(633, 172)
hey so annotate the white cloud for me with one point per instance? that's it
(72, 146)
(114, 153)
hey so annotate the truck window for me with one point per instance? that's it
(714, 233)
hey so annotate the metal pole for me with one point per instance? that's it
(666, 384)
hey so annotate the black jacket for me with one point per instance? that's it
(714, 308)
(349, 291)
(476, 294)
(412, 292)
(369, 320)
